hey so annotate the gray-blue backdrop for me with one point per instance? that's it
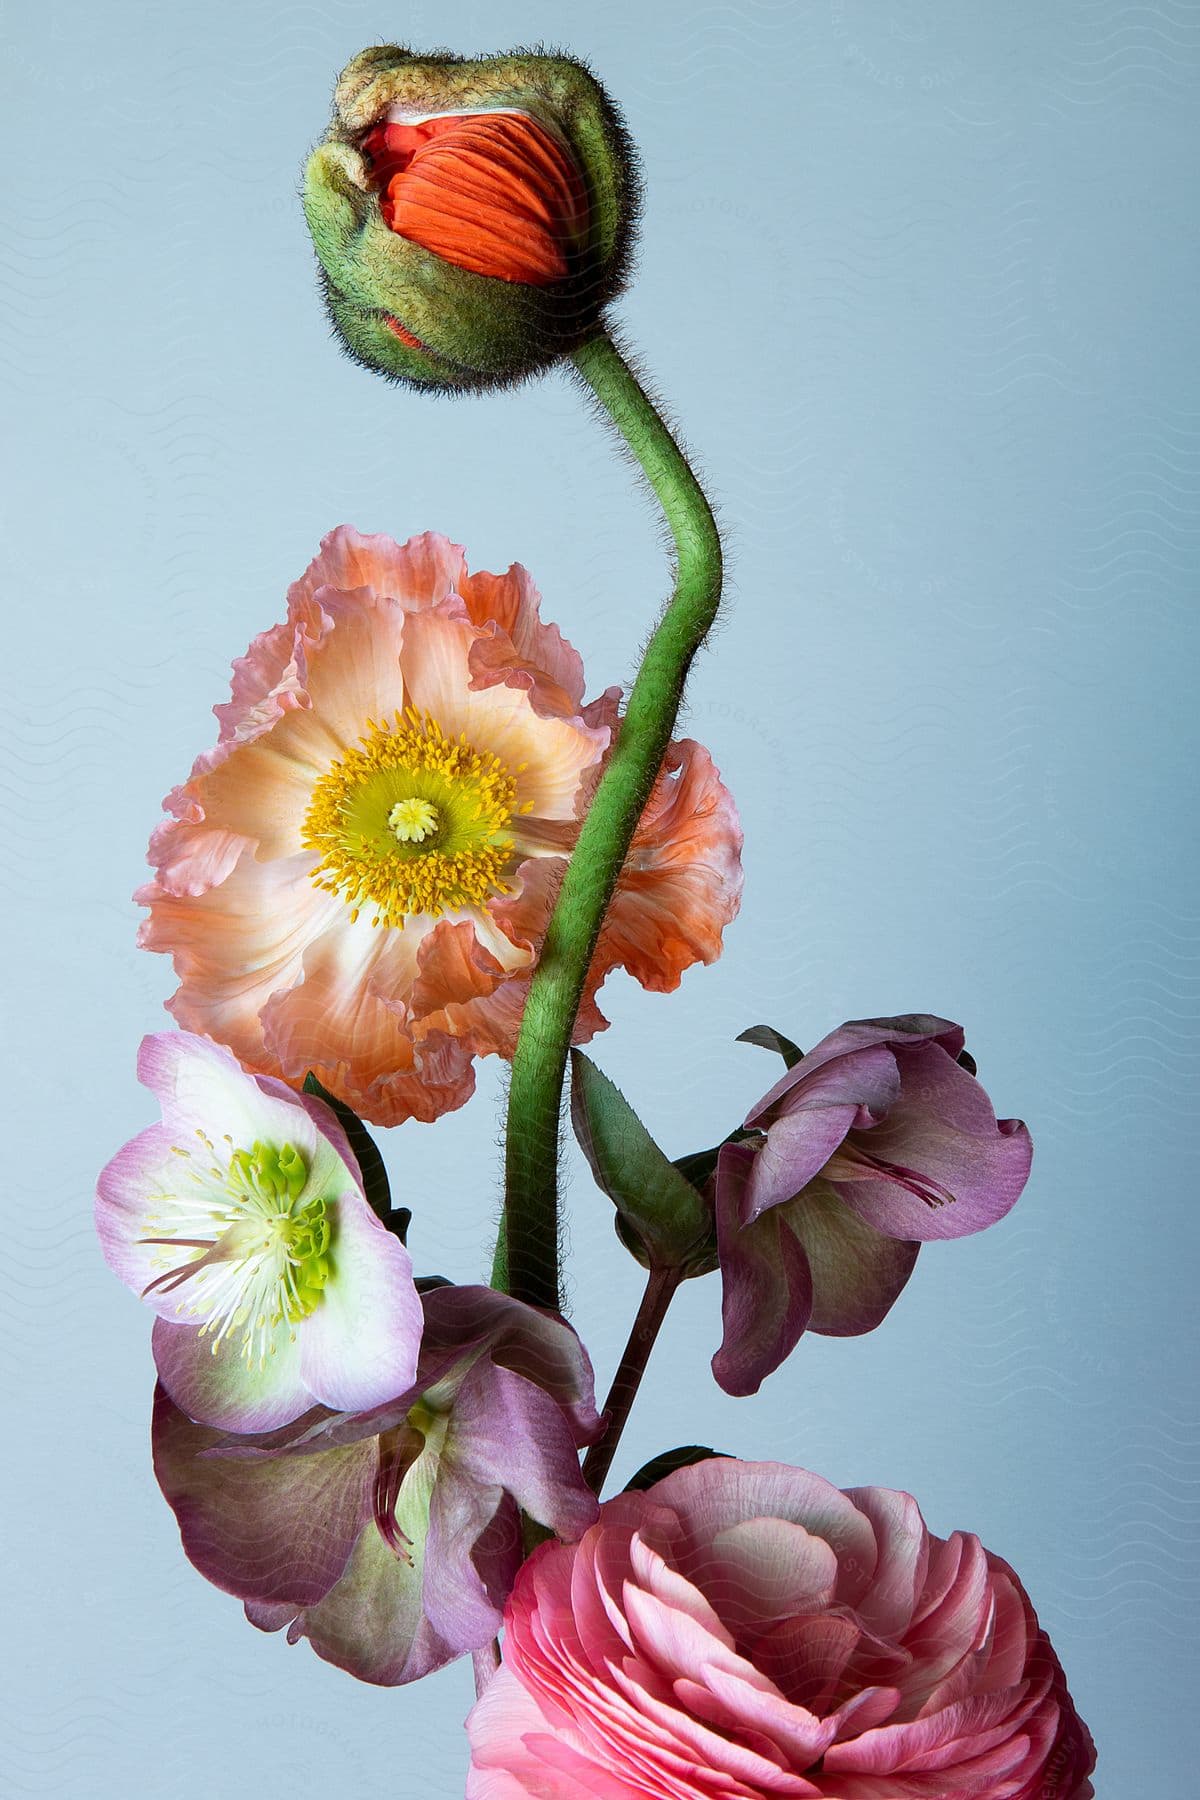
(918, 280)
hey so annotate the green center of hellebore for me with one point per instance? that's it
(258, 1257)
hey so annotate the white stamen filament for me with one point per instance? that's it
(255, 1249)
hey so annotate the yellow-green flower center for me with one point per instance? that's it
(413, 821)
(258, 1250)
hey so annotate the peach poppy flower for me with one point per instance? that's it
(356, 880)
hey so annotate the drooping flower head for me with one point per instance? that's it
(746, 1630)
(879, 1140)
(357, 878)
(472, 218)
(242, 1221)
(390, 1539)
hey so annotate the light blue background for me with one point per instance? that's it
(918, 280)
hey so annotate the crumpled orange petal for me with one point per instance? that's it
(495, 193)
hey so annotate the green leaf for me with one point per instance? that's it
(661, 1218)
(767, 1038)
(666, 1463)
(370, 1162)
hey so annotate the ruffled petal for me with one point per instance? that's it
(237, 945)
(418, 573)
(519, 649)
(349, 1019)
(681, 882)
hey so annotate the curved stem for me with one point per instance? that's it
(527, 1254)
(660, 1291)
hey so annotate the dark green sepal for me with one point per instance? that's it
(767, 1038)
(666, 1463)
(370, 1162)
(699, 1165)
(662, 1219)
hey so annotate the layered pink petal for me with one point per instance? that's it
(721, 1636)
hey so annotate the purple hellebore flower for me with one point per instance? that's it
(391, 1538)
(241, 1220)
(877, 1141)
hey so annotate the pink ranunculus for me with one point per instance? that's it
(877, 1141)
(358, 877)
(747, 1630)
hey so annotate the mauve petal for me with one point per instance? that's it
(857, 1272)
(463, 1592)
(853, 1066)
(359, 1346)
(766, 1294)
(225, 1389)
(373, 1623)
(507, 1433)
(793, 1153)
(276, 1530)
(943, 1128)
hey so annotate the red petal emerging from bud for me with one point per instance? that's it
(494, 193)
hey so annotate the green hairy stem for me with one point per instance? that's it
(527, 1259)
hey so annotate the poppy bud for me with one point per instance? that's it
(472, 218)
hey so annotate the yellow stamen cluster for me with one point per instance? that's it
(412, 821)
